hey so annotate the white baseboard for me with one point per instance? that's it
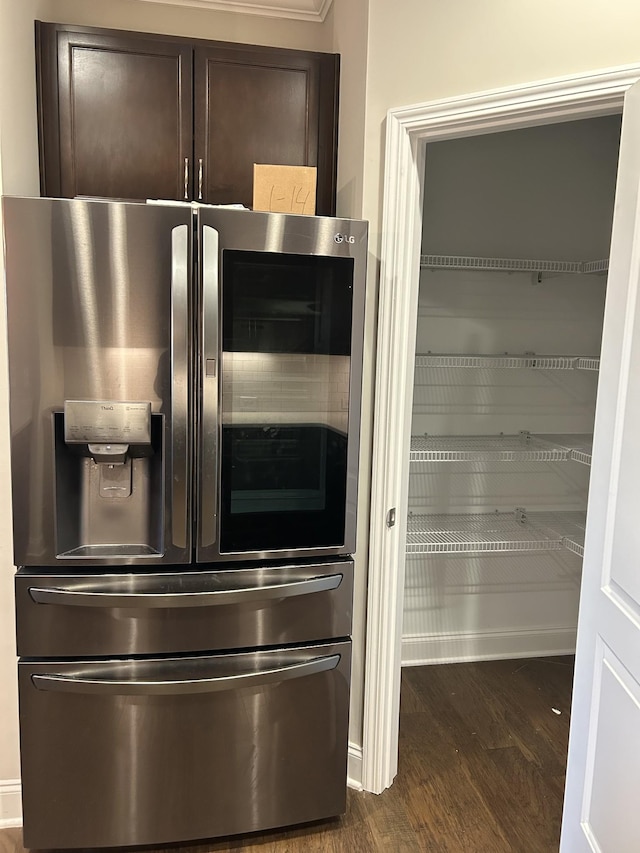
(10, 803)
(487, 645)
(354, 767)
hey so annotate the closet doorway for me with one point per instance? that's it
(410, 132)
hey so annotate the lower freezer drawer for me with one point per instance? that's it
(151, 751)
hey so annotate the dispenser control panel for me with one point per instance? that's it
(107, 421)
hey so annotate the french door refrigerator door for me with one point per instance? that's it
(148, 751)
(98, 304)
(282, 314)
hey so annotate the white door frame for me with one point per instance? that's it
(408, 129)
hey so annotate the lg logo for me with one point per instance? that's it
(344, 238)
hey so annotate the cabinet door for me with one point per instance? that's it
(115, 113)
(263, 105)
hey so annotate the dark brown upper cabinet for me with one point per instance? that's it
(135, 115)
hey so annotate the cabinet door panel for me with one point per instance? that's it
(124, 108)
(263, 105)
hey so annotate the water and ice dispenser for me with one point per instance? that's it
(109, 479)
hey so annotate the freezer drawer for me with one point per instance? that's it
(151, 751)
(72, 615)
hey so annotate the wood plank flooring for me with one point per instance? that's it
(481, 769)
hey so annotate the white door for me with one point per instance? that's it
(602, 801)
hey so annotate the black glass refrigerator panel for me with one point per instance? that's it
(286, 332)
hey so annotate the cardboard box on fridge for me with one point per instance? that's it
(284, 189)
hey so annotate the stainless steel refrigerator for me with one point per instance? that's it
(185, 393)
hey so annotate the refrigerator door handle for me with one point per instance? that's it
(124, 686)
(179, 383)
(208, 463)
(205, 598)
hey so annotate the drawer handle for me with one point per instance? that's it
(153, 687)
(206, 598)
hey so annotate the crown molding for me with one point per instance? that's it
(301, 10)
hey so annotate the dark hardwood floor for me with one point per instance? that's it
(482, 761)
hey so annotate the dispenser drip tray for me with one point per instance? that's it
(111, 551)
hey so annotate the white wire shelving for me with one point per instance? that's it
(464, 262)
(519, 530)
(523, 447)
(494, 532)
(528, 361)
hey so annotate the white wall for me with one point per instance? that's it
(9, 760)
(424, 50)
(349, 22)
(537, 192)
